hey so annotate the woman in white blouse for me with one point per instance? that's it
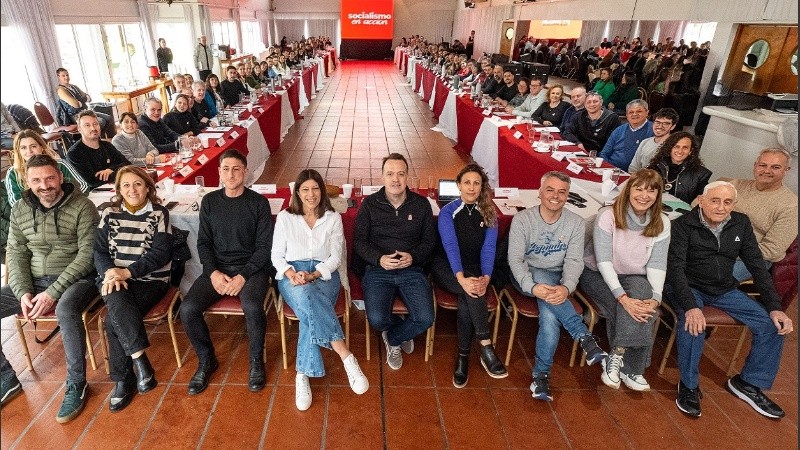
(307, 250)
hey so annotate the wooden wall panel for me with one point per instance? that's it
(737, 76)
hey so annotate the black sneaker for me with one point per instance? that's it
(754, 397)
(594, 354)
(74, 401)
(540, 388)
(10, 387)
(688, 400)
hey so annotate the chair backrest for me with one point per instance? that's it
(43, 114)
(643, 93)
(656, 101)
(784, 276)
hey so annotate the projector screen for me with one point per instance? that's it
(367, 19)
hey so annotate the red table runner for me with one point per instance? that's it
(418, 76)
(470, 119)
(442, 91)
(307, 81)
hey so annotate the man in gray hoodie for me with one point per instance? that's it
(545, 253)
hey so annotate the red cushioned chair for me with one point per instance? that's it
(446, 300)
(51, 317)
(528, 307)
(164, 309)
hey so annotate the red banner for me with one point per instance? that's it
(367, 19)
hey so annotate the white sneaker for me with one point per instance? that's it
(408, 346)
(358, 382)
(635, 382)
(610, 374)
(302, 392)
(393, 356)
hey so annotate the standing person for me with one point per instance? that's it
(394, 238)
(679, 164)
(306, 251)
(468, 229)
(203, 58)
(96, 160)
(712, 235)
(49, 256)
(72, 100)
(133, 256)
(664, 121)
(625, 269)
(27, 144)
(163, 55)
(545, 249)
(236, 261)
(470, 48)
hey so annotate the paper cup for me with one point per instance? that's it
(606, 175)
(598, 162)
(169, 185)
(606, 188)
(347, 190)
(204, 141)
(291, 187)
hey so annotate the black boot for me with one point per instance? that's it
(145, 376)
(123, 393)
(494, 367)
(461, 374)
(257, 377)
(199, 381)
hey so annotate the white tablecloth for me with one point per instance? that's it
(484, 151)
(448, 121)
(287, 115)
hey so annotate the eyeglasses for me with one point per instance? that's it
(661, 123)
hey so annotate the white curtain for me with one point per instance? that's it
(621, 28)
(205, 23)
(592, 33)
(487, 22)
(647, 29)
(147, 24)
(322, 27)
(37, 35)
(670, 28)
(293, 29)
(237, 22)
(442, 28)
(188, 18)
(264, 20)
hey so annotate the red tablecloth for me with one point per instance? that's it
(293, 92)
(315, 74)
(270, 123)
(404, 63)
(325, 64)
(308, 79)
(418, 76)
(428, 80)
(470, 119)
(520, 166)
(442, 91)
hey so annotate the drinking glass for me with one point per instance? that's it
(592, 155)
(357, 187)
(414, 184)
(177, 162)
(432, 186)
(615, 173)
(200, 181)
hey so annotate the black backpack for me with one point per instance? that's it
(25, 118)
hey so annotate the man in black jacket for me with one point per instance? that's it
(162, 136)
(394, 238)
(705, 244)
(231, 87)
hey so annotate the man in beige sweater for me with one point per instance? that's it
(771, 207)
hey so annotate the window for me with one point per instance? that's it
(699, 32)
(178, 37)
(251, 35)
(225, 34)
(103, 57)
(16, 85)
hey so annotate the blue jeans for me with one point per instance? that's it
(762, 363)
(551, 318)
(381, 287)
(741, 273)
(313, 303)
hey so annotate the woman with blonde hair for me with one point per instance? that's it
(464, 265)
(625, 269)
(28, 143)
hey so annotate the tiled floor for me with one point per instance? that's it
(366, 111)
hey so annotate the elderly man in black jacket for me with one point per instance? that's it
(394, 237)
(705, 244)
(162, 136)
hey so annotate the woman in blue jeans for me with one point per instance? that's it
(307, 250)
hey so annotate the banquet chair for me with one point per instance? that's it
(594, 316)
(529, 307)
(446, 300)
(51, 317)
(341, 308)
(232, 306)
(164, 309)
(46, 119)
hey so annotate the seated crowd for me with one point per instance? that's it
(62, 254)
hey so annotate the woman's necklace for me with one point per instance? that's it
(668, 182)
(469, 210)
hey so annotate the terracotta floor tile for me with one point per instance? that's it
(238, 419)
(480, 428)
(411, 415)
(576, 411)
(285, 422)
(527, 423)
(352, 419)
(17, 414)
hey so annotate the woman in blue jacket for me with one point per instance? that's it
(468, 228)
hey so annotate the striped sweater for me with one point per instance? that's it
(140, 242)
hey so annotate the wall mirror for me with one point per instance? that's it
(756, 54)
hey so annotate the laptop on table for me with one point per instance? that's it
(447, 192)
